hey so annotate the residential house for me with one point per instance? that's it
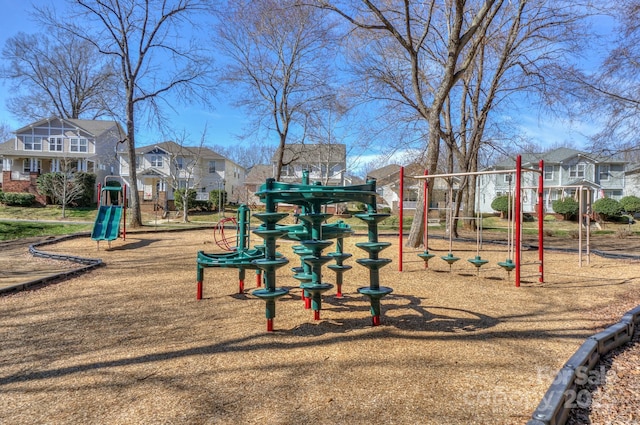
(47, 145)
(632, 180)
(165, 167)
(566, 171)
(388, 187)
(256, 177)
(326, 163)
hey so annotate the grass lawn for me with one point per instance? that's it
(36, 225)
(10, 230)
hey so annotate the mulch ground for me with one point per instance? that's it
(129, 343)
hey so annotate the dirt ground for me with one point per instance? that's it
(129, 343)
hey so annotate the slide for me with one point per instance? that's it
(107, 224)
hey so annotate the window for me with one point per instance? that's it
(156, 160)
(180, 163)
(548, 172)
(507, 178)
(32, 143)
(78, 144)
(55, 144)
(31, 165)
(577, 171)
(604, 172)
(138, 162)
(212, 167)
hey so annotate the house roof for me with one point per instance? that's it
(258, 174)
(312, 153)
(7, 147)
(557, 156)
(174, 148)
(93, 127)
(383, 172)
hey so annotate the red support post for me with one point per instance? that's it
(517, 217)
(124, 213)
(199, 290)
(99, 194)
(541, 220)
(425, 238)
(401, 216)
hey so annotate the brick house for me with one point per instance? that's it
(44, 146)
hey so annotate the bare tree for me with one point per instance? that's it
(518, 55)
(187, 169)
(146, 40)
(56, 74)
(608, 92)
(5, 132)
(414, 53)
(279, 65)
(248, 155)
(62, 186)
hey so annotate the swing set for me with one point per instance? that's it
(515, 219)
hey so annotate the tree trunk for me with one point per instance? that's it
(135, 217)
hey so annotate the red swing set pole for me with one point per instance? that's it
(517, 217)
(400, 218)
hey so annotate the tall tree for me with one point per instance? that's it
(279, 65)
(56, 74)
(516, 59)
(413, 54)
(607, 91)
(150, 43)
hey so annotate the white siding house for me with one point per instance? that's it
(165, 167)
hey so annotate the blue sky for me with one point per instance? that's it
(225, 122)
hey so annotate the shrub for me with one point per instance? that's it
(88, 182)
(1, 197)
(568, 207)
(19, 199)
(630, 204)
(607, 207)
(501, 204)
(48, 182)
(214, 199)
(623, 233)
(191, 198)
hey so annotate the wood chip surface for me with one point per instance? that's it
(129, 343)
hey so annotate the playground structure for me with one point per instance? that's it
(514, 238)
(314, 236)
(111, 211)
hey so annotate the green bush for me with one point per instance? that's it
(1, 197)
(568, 207)
(16, 199)
(47, 181)
(630, 204)
(214, 199)
(607, 207)
(191, 198)
(88, 182)
(501, 204)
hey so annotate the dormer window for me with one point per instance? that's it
(77, 144)
(55, 144)
(156, 160)
(32, 143)
(577, 171)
